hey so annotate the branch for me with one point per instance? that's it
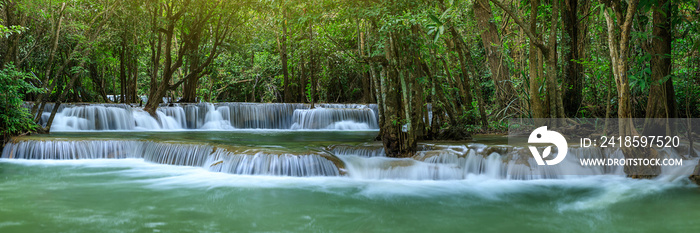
(193, 76)
(536, 41)
(184, 46)
(218, 40)
(627, 25)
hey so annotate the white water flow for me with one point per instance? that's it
(495, 162)
(335, 118)
(219, 116)
(195, 155)
(435, 162)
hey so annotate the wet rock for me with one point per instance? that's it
(695, 177)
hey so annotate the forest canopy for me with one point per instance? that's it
(471, 63)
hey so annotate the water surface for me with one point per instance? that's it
(133, 195)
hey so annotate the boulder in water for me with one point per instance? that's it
(695, 177)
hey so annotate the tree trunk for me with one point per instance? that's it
(133, 83)
(156, 46)
(190, 44)
(156, 95)
(398, 133)
(367, 81)
(461, 50)
(312, 66)
(451, 109)
(661, 102)
(482, 107)
(12, 15)
(551, 106)
(496, 61)
(536, 105)
(463, 96)
(619, 51)
(122, 70)
(380, 103)
(47, 73)
(283, 57)
(98, 82)
(189, 89)
(556, 109)
(62, 96)
(302, 80)
(573, 70)
(619, 54)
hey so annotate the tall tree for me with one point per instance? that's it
(619, 29)
(662, 101)
(549, 52)
(491, 40)
(282, 44)
(176, 15)
(575, 40)
(13, 17)
(619, 19)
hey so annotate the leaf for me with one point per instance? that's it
(444, 14)
(435, 19)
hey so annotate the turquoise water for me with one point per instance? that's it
(130, 195)
(347, 184)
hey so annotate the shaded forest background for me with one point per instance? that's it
(473, 63)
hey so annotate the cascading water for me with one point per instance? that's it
(95, 117)
(65, 150)
(496, 162)
(214, 118)
(433, 162)
(174, 154)
(271, 164)
(335, 118)
(100, 117)
(404, 169)
(194, 155)
(220, 116)
(362, 150)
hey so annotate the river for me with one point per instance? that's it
(213, 170)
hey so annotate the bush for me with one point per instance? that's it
(14, 119)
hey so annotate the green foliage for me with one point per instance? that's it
(435, 27)
(330, 42)
(6, 32)
(14, 119)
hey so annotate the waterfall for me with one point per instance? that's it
(404, 169)
(194, 155)
(64, 150)
(496, 162)
(101, 117)
(335, 118)
(433, 162)
(272, 164)
(208, 116)
(361, 150)
(175, 154)
(95, 117)
(261, 116)
(214, 118)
